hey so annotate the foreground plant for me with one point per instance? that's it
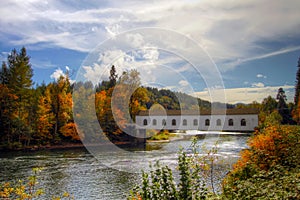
(194, 169)
(26, 190)
(270, 168)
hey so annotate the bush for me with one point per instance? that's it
(269, 169)
(194, 169)
(161, 135)
(26, 190)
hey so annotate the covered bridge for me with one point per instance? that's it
(241, 120)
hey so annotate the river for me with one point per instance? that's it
(87, 176)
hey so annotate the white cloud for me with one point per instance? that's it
(258, 85)
(59, 72)
(260, 76)
(56, 74)
(249, 94)
(230, 31)
(183, 83)
(136, 40)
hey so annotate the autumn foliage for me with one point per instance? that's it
(271, 146)
(33, 116)
(269, 169)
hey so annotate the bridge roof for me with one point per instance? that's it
(240, 111)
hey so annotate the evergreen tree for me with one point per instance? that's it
(297, 87)
(296, 110)
(113, 77)
(4, 74)
(17, 74)
(20, 76)
(282, 107)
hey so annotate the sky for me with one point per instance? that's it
(242, 50)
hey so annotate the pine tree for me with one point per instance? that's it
(113, 77)
(4, 74)
(296, 110)
(297, 87)
(282, 107)
(17, 75)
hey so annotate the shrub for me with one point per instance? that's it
(193, 170)
(269, 169)
(26, 190)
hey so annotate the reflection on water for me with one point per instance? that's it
(80, 173)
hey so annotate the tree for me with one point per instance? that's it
(44, 119)
(268, 105)
(4, 74)
(8, 114)
(296, 110)
(297, 87)
(61, 99)
(282, 107)
(17, 74)
(131, 79)
(113, 77)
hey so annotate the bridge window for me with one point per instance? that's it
(243, 122)
(207, 122)
(218, 122)
(230, 122)
(154, 122)
(173, 122)
(145, 122)
(195, 122)
(164, 122)
(184, 122)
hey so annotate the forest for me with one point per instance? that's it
(42, 115)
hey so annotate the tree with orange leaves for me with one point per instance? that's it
(8, 114)
(44, 119)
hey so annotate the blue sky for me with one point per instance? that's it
(254, 45)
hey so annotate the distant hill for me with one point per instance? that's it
(171, 100)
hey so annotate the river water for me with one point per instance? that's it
(87, 176)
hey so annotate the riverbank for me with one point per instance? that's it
(66, 145)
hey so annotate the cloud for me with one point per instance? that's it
(57, 74)
(183, 83)
(235, 62)
(229, 31)
(249, 94)
(261, 76)
(123, 61)
(258, 85)
(42, 64)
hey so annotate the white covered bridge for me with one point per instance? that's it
(237, 120)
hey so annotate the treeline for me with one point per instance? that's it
(33, 116)
(43, 115)
(118, 100)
